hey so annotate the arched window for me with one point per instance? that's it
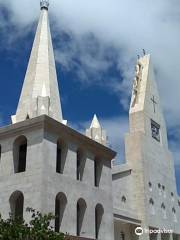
(123, 199)
(150, 186)
(99, 211)
(19, 154)
(172, 196)
(163, 208)
(159, 188)
(174, 214)
(97, 171)
(60, 205)
(151, 204)
(60, 156)
(16, 201)
(81, 209)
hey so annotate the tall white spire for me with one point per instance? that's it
(40, 94)
(96, 132)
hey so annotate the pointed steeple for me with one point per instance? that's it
(96, 132)
(145, 109)
(95, 122)
(40, 94)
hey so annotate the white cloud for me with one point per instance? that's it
(127, 26)
(121, 28)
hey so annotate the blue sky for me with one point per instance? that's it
(95, 55)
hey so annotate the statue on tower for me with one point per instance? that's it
(44, 4)
(136, 83)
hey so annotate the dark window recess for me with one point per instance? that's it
(99, 211)
(78, 173)
(78, 220)
(97, 172)
(59, 160)
(57, 211)
(155, 130)
(22, 158)
(122, 236)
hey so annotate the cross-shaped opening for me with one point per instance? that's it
(154, 103)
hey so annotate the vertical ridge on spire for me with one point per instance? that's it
(40, 88)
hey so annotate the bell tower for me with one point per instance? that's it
(147, 152)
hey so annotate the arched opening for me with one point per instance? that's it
(99, 211)
(60, 156)
(20, 154)
(60, 205)
(16, 201)
(174, 214)
(123, 199)
(151, 204)
(81, 209)
(97, 171)
(163, 208)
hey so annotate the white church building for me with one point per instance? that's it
(46, 165)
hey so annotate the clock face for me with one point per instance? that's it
(155, 130)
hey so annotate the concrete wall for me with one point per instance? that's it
(40, 184)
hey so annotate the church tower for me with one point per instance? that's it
(147, 154)
(48, 166)
(40, 94)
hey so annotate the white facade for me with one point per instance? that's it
(52, 168)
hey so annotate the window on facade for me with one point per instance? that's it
(80, 165)
(17, 204)
(97, 171)
(0, 152)
(61, 152)
(155, 130)
(122, 236)
(163, 208)
(150, 186)
(174, 214)
(99, 211)
(151, 204)
(179, 203)
(60, 205)
(160, 188)
(81, 209)
(20, 154)
(123, 199)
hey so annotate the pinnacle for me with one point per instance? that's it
(95, 122)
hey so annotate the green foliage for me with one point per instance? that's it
(39, 228)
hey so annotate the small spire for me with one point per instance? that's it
(95, 123)
(44, 4)
(96, 132)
